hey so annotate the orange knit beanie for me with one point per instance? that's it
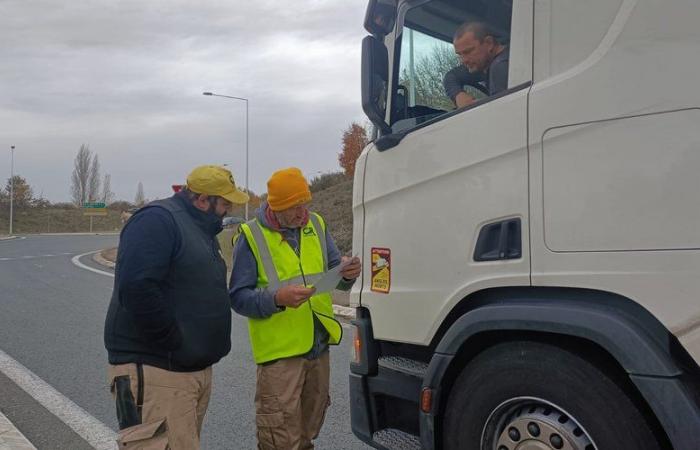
(287, 188)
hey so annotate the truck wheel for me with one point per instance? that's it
(536, 396)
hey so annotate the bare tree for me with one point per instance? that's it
(107, 194)
(140, 198)
(80, 176)
(94, 179)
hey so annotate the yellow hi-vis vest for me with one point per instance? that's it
(290, 332)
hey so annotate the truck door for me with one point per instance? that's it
(446, 175)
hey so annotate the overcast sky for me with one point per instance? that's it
(126, 78)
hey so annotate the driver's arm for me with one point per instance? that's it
(453, 82)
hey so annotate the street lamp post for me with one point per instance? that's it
(12, 184)
(246, 139)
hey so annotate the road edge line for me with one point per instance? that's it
(96, 433)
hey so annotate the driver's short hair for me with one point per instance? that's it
(479, 29)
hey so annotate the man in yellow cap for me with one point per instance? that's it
(277, 259)
(169, 318)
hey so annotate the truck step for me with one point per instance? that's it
(394, 439)
(406, 365)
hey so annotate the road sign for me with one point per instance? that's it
(94, 205)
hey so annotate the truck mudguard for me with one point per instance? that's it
(652, 357)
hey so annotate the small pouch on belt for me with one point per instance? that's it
(127, 412)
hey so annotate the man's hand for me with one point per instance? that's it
(352, 270)
(463, 99)
(293, 296)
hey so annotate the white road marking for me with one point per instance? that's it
(96, 433)
(11, 437)
(34, 256)
(76, 260)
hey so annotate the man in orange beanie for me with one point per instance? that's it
(279, 256)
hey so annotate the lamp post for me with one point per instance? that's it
(246, 139)
(12, 184)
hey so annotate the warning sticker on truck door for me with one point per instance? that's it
(381, 270)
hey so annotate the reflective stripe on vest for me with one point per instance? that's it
(290, 332)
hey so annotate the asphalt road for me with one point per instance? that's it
(51, 321)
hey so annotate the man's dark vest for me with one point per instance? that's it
(195, 289)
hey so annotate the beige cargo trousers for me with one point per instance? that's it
(158, 409)
(291, 399)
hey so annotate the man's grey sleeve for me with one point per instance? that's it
(246, 299)
(455, 79)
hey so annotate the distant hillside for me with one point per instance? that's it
(332, 198)
(334, 203)
(57, 220)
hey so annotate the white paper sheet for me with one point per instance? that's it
(330, 279)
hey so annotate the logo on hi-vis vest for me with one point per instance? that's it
(309, 231)
(381, 270)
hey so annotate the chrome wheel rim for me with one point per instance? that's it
(530, 423)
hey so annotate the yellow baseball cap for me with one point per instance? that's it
(215, 180)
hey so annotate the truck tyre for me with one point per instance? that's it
(535, 396)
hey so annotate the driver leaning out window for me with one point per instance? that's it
(484, 63)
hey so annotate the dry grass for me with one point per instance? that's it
(334, 204)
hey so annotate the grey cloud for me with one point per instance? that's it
(126, 77)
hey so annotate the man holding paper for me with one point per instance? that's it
(278, 258)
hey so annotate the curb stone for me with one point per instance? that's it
(96, 233)
(344, 311)
(97, 257)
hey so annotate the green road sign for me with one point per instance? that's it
(90, 205)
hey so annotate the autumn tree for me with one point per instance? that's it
(355, 138)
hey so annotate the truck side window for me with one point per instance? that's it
(452, 54)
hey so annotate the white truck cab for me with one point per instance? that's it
(532, 260)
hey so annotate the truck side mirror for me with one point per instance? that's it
(375, 80)
(380, 17)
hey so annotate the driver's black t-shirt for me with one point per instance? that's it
(495, 79)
